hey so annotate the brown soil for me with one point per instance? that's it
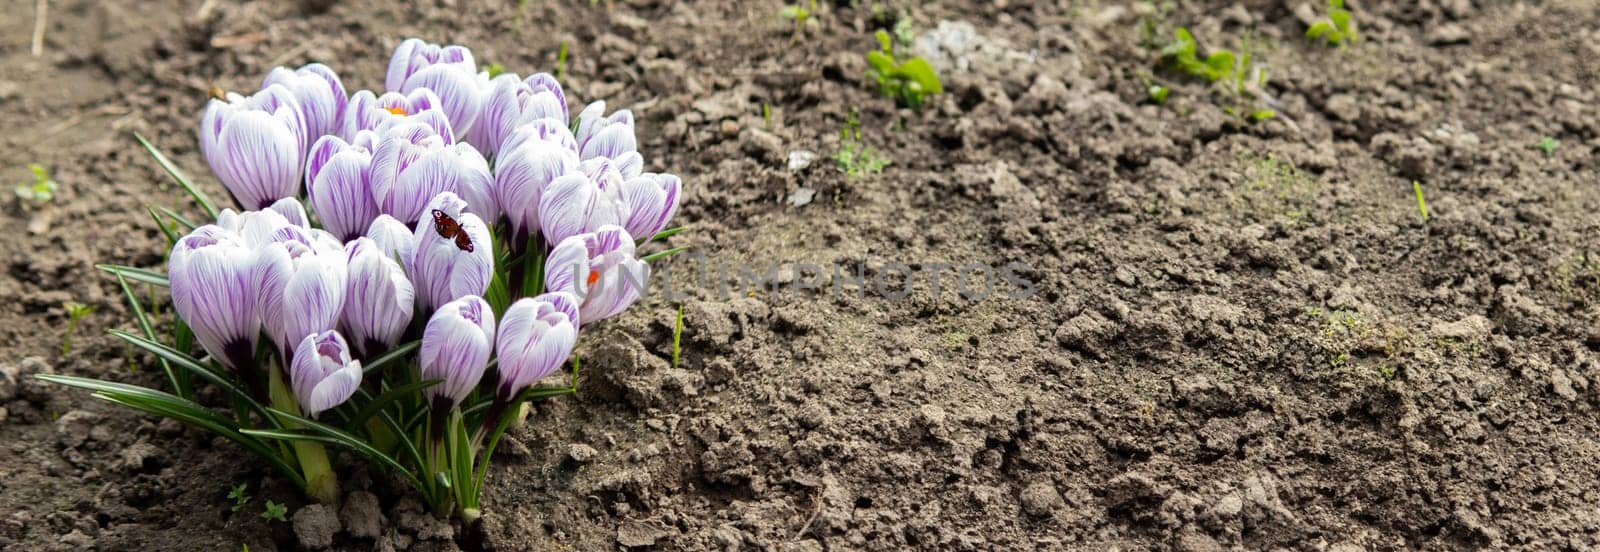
(1242, 336)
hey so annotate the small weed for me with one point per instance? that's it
(677, 337)
(855, 157)
(766, 114)
(904, 33)
(1157, 94)
(494, 69)
(1151, 32)
(909, 82)
(1547, 145)
(1340, 333)
(239, 497)
(561, 61)
(43, 188)
(274, 512)
(799, 14)
(1338, 29)
(1237, 71)
(1422, 204)
(75, 311)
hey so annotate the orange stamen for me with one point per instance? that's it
(401, 111)
(594, 276)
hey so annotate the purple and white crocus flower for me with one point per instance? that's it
(442, 269)
(599, 268)
(536, 337)
(449, 71)
(376, 113)
(582, 202)
(378, 300)
(456, 345)
(513, 102)
(412, 163)
(536, 158)
(323, 375)
(651, 201)
(339, 184)
(318, 91)
(256, 145)
(212, 277)
(302, 284)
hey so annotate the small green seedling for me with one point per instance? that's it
(274, 512)
(799, 14)
(494, 70)
(909, 82)
(1422, 205)
(1157, 94)
(1338, 29)
(43, 188)
(561, 61)
(239, 498)
(1150, 25)
(856, 158)
(1242, 77)
(75, 311)
(766, 114)
(1547, 145)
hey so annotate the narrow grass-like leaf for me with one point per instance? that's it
(166, 164)
(171, 406)
(395, 354)
(165, 231)
(664, 254)
(664, 234)
(136, 274)
(376, 405)
(180, 219)
(330, 434)
(181, 360)
(149, 331)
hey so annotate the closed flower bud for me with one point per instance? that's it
(536, 337)
(302, 285)
(214, 289)
(456, 345)
(394, 238)
(608, 136)
(256, 145)
(599, 269)
(319, 92)
(652, 199)
(454, 256)
(512, 102)
(521, 176)
(378, 299)
(577, 203)
(449, 71)
(376, 113)
(322, 374)
(339, 185)
(412, 164)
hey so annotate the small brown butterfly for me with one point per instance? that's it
(448, 228)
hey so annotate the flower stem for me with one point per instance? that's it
(321, 483)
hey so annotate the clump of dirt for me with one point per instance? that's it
(1239, 335)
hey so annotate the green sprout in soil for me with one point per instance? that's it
(800, 15)
(1547, 145)
(909, 82)
(494, 69)
(1338, 29)
(561, 61)
(1157, 94)
(43, 188)
(1422, 204)
(75, 311)
(855, 157)
(274, 511)
(1236, 70)
(766, 114)
(677, 337)
(239, 497)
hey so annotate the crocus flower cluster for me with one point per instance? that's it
(373, 223)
